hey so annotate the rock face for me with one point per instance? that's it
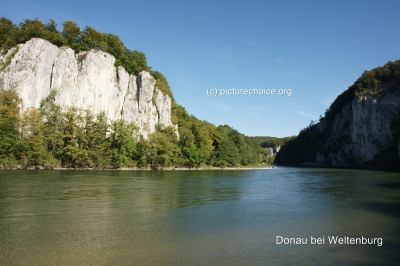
(363, 134)
(88, 81)
(272, 151)
(361, 129)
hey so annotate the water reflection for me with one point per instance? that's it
(195, 217)
(188, 188)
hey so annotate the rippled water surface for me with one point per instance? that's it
(197, 217)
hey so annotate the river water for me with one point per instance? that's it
(231, 217)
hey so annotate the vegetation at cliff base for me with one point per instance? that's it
(53, 136)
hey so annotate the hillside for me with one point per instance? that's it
(76, 98)
(361, 129)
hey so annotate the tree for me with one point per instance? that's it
(52, 34)
(11, 148)
(52, 121)
(164, 148)
(51, 26)
(94, 39)
(71, 153)
(8, 32)
(122, 144)
(190, 152)
(203, 139)
(133, 61)
(94, 139)
(226, 152)
(72, 36)
(32, 133)
(31, 29)
(114, 45)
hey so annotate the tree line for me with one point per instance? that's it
(53, 136)
(272, 142)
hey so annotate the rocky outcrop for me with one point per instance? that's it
(361, 129)
(363, 134)
(273, 150)
(88, 80)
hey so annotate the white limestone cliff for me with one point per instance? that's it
(88, 81)
(362, 132)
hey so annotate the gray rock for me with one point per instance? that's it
(361, 131)
(88, 81)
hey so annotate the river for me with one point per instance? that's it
(210, 217)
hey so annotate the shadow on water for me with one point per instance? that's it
(391, 206)
(204, 217)
(391, 185)
(368, 202)
(389, 254)
(386, 208)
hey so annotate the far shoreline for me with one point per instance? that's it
(32, 168)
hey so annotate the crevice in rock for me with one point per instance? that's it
(139, 87)
(125, 96)
(157, 110)
(51, 75)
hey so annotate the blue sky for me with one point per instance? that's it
(316, 49)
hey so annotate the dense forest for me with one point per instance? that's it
(316, 137)
(53, 136)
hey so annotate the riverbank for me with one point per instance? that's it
(251, 167)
